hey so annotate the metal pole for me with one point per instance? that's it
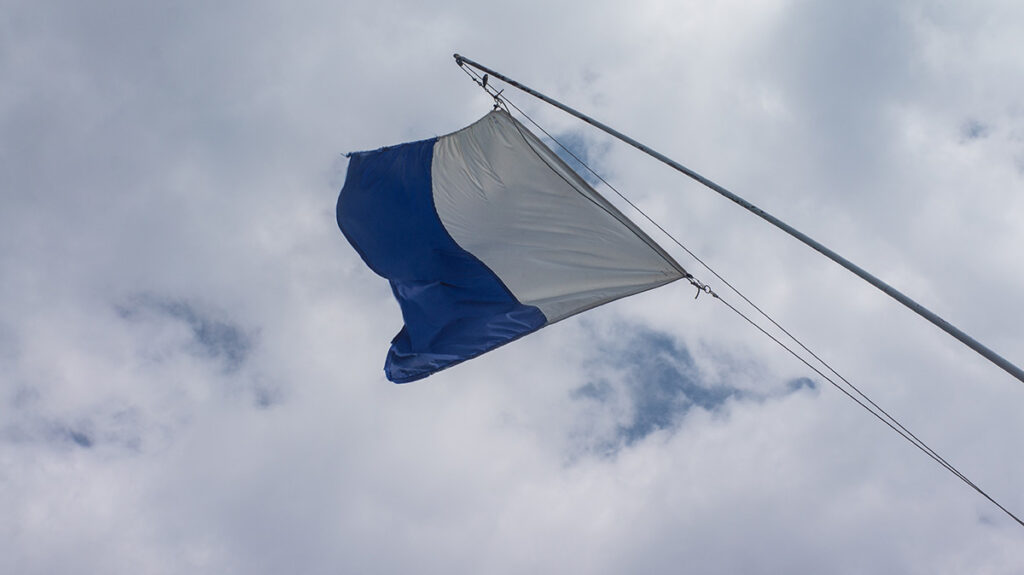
(891, 291)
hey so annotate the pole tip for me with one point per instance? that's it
(458, 59)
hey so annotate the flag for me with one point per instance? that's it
(486, 235)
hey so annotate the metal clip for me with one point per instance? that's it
(701, 287)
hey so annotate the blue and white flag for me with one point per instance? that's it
(486, 235)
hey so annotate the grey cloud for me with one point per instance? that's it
(212, 338)
(974, 130)
(104, 425)
(653, 378)
(842, 70)
(801, 383)
(579, 153)
(80, 439)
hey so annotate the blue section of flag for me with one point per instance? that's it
(455, 308)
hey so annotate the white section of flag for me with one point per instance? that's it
(554, 241)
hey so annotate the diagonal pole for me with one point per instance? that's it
(891, 291)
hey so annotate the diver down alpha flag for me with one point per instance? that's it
(486, 235)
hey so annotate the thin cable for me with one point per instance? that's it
(870, 406)
(921, 446)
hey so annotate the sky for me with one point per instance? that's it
(191, 353)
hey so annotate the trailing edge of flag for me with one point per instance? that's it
(486, 235)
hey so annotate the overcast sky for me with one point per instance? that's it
(191, 353)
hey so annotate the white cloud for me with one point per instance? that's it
(190, 155)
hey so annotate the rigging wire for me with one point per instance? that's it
(856, 395)
(895, 425)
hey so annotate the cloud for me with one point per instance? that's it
(190, 353)
(974, 130)
(579, 154)
(646, 381)
(210, 338)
